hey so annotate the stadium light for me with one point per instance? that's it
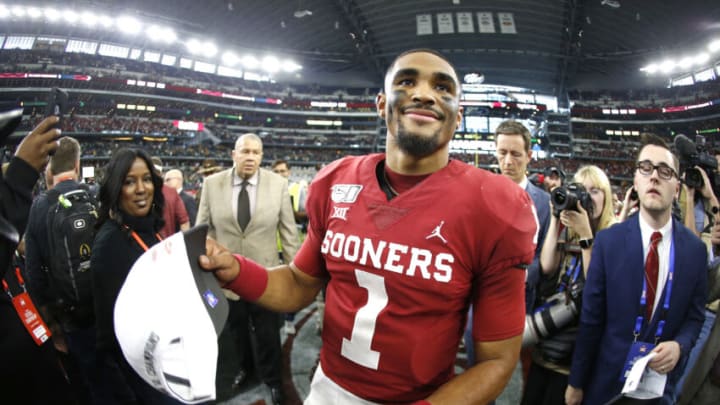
(230, 59)
(161, 34)
(290, 66)
(34, 12)
(651, 68)
(686, 62)
(714, 46)
(270, 64)
(194, 46)
(250, 61)
(105, 21)
(18, 11)
(51, 14)
(128, 25)
(70, 16)
(702, 58)
(209, 49)
(89, 19)
(667, 66)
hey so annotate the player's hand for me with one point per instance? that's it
(220, 261)
(668, 354)
(36, 147)
(578, 221)
(573, 396)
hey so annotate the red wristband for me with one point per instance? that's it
(252, 281)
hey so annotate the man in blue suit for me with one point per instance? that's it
(619, 289)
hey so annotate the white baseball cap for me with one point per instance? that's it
(168, 316)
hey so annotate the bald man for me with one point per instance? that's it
(175, 180)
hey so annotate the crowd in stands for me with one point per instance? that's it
(109, 67)
(656, 97)
(287, 136)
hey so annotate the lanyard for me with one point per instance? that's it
(139, 240)
(21, 282)
(27, 312)
(666, 303)
(571, 274)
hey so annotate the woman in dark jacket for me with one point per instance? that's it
(129, 219)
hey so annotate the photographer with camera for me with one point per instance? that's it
(701, 204)
(700, 384)
(701, 216)
(629, 204)
(580, 209)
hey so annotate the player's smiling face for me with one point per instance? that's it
(421, 103)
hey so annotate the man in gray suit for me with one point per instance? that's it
(247, 209)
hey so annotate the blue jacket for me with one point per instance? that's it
(611, 303)
(541, 200)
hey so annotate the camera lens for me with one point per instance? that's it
(693, 178)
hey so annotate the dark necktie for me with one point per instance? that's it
(243, 206)
(651, 272)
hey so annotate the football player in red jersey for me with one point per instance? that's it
(406, 241)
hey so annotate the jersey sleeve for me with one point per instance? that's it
(309, 258)
(499, 301)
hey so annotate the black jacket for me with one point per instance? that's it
(29, 373)
(114, 252)
(37, 245)
(190, 207)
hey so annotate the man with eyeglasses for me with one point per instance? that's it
(645, 291)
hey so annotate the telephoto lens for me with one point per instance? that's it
(554, 315)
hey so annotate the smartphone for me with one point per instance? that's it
(57, 104)
(633, 195)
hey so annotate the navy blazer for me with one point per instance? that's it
(611, 303)
(541, 200)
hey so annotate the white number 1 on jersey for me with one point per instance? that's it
(357, 349)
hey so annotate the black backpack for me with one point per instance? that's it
(71, 222)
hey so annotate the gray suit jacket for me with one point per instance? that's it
(273, 218)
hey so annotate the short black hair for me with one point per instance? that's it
(279, 162)
(647, 138)
(420, 50)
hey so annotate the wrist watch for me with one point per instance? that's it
(585, 243)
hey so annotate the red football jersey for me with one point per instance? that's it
(402, 273)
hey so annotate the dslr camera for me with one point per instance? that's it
(566, 198)
(559, 310)
(693, 154)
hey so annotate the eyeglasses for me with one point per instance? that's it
(646, 168)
